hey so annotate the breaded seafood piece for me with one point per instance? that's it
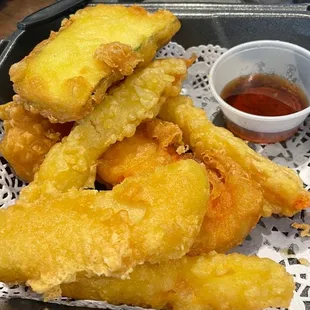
(154, 144)
(210, 282)
(234, 197)
(235, 206)
(282, 188)
(72, 163)
(27, 138)
(147, 218)
(65, 76)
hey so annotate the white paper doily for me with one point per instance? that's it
(273, 237)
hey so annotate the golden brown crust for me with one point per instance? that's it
(165, 133)
(211, 282)
(234, 199)
(154, 144)
(103, 86)
(27, 138)
(116, 59)
(282, 188)
(119, 57)
(67, 165)
(48, 241)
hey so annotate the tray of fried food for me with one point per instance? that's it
(181, 189)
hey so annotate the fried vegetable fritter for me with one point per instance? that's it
(71, 163)
(211, 282)
(148, 218)
(65, 76)
(234, 197)
(154, 144)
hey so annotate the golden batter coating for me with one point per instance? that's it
(282, 188)
(154, 144)
(211, 282)
(235, 206)
(147, 218)
(234, 197)
(72, 163)
(65, 76)
(27, 138)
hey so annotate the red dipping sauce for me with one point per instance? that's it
(263, 95)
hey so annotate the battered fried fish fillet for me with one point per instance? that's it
(71, 163)
(147, 218)
(282, 188)
(27, 139)
(211, 282)
(234, 197)
(67, 74)
(154, 144)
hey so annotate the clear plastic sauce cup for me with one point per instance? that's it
(287, 60)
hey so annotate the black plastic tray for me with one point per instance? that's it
(202, 23)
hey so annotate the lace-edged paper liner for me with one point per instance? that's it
(273, 237)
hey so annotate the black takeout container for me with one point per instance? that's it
(224, 24)
(202, 23)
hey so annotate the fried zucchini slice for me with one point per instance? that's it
(147, 218)
(72, 163)
(210, 282)
(67, 74)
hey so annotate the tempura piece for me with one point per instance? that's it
(27, 139)
(71, 163)
(154, 144)
(211, 282)
(67, 74)
(282, 188)
(147, 218)
(235, 206)
(234, 197)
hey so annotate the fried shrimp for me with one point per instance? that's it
(282, 188)
(27, 138)
(234, 197)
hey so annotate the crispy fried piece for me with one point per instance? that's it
(151, 217)
(234, 198)
(33, 135)
(154, 144)
(235, 206)
(69, 163)
(211, 282)
(282, 188)
(27, 139)
(67, 74)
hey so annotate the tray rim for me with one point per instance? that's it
(182, 10)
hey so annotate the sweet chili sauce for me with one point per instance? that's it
(263, 95)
